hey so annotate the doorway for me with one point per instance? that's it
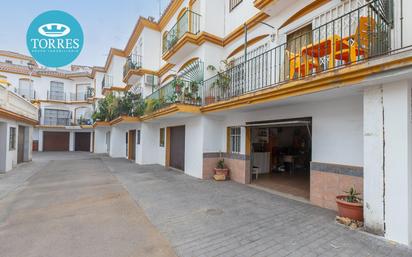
(20, 145)
(281, 154)
(132, 145)
(82, 141)
(177, 147)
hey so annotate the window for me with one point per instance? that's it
(138, 137)
(235, 140)
(162, 137)
(26, 89)
(8, 61)
(12, 139)
(56, 91)
(233, 4)
(57, 117)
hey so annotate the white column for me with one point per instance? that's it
(387, 161)
(71, 144)
(40, 140)
(149, 143)
(398, 186)
(373, 173)
(117, 143)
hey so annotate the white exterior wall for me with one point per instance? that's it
(116, 70)
(118, 142)
(149, 144)
(100, 145)
(8, 158)
(336, 127)
(152, 51)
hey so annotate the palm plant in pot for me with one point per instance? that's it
(221, 171)
(350, 205)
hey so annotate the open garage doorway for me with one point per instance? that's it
(281, 153)
(82, 141)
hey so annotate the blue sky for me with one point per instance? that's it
(105, 23)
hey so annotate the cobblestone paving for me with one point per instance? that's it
(207, 218)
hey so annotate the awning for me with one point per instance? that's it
(279, 124)
(292, 123)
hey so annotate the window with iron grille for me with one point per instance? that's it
(233, 4)
(235, 140)
(57, 117)
(12, 139)
(138, 137)
(56, 91)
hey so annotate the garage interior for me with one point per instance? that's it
(281, 154)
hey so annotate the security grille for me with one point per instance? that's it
(57, 117)
(56, 91)
(233, 4)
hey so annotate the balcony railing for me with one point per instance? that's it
(27, 94)
(354, 37)
(53, 121)
(176, 91)
(133, 62)
(189, 22)
(81, 96)
(56, 95)
(107, 81)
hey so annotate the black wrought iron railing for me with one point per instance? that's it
(176, 91)
(356, 36)
(189, 22)
(56, 95)
(53, 121)
(107, 81)
(133, 62)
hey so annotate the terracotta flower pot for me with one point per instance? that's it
(222, 172)
(349, 210)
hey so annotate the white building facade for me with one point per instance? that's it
(317, 102)
(65, 100)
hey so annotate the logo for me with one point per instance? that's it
(54, 30)
(54, 39)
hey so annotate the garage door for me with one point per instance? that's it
(82, 141)
(56, 141)
(177, 147)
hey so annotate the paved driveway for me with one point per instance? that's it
(73, 206)
(82, 205)
(207, 218)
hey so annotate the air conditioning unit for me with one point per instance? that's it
(151, 80)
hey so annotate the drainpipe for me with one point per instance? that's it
(401, 23)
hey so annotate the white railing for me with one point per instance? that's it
(12, 102)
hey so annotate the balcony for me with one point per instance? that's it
(70, 97)
(107, 81)
(187, 24)
(132, 65)
(56, 96)
(356, 36)
(53, 121)
(15, 105)
(177, 91)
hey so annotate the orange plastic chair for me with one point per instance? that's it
(361, 41)
(301, 65)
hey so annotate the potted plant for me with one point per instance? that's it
(222, 79)
(350, 205)
(221, 170)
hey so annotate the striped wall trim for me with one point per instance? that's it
(234, 156)
(354, 171)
